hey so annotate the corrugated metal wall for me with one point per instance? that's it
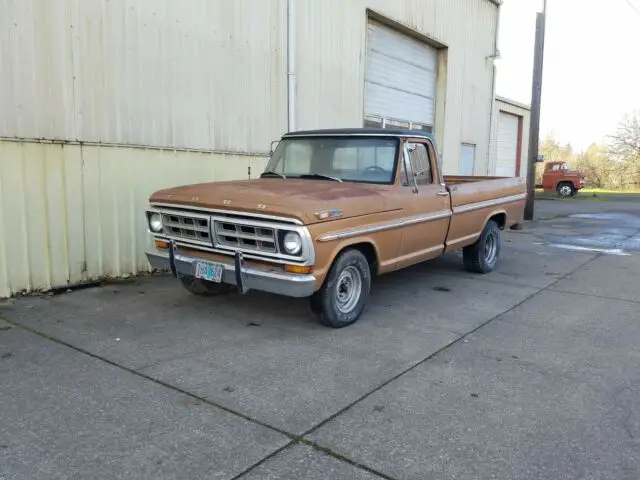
(196, 74)
(206, 75)
(523, 111)
(69, 213)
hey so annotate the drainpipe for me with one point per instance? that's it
(291, 64)
(493, 94)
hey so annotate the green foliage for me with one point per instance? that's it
(615, 167)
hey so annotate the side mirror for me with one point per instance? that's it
(272, 148)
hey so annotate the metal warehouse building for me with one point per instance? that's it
(104, 101)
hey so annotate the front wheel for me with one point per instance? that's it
(482, 256)
(343, 297)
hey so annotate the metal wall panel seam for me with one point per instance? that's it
(136, 146)
(5, 288)
(24, 217)
(47, 227)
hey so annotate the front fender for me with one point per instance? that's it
(327, 252)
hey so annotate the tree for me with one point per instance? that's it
(624, 151)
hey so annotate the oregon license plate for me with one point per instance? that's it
(209, 271)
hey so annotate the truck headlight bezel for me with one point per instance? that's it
(291, 243)
(154, 220)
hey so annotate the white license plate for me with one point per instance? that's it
(209, 271)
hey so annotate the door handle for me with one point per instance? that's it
(443, 194)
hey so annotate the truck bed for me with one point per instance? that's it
(466, 190)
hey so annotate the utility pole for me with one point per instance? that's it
(536, 95)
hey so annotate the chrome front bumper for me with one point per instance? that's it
(246, 278)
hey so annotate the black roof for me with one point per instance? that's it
(384, 132)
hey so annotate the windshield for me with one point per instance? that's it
(350, 159)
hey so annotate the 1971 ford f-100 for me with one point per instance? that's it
(332, 209)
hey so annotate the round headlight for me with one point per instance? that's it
(292, 243)
(155, 222)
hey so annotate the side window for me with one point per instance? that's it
(420, 163)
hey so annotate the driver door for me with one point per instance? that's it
(426, 204)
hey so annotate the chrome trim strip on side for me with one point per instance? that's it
(354, 232)
(213, 211)
(488, 203)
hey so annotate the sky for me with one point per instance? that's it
(591, 70)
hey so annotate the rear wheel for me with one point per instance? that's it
(482, 256)
(566, 190)
(200, 287)
(343, 297)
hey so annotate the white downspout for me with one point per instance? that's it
(291, 64)
(493, 132)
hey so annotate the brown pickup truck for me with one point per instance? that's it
(332, 209)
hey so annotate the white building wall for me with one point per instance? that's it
(202, 74)
(522, 111)
(331, 65)
(201, 87)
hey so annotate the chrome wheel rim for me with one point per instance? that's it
(348, 289)
(565, 190)
(490, 249)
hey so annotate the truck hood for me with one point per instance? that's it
(295, 198)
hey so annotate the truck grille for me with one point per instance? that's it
(245, 237)
(186, 227)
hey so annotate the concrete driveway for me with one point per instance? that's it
(529, 372)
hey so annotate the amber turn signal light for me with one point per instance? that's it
(298, 269)
(161, 244)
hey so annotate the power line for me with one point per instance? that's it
(633, 7)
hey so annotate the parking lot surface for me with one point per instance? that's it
(528, 372)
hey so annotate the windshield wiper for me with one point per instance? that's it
(319, 175)
(269, 173)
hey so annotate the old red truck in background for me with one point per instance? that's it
(557, 177)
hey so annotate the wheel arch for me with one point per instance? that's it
(366, 245)
(499, 216)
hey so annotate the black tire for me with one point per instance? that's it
(476, 258)
(334, 306)
(200, 287)
(566, 190)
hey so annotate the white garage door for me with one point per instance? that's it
(400, 79)
(507, 145)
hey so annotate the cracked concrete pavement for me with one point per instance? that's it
(529, 372)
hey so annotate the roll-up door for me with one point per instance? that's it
(507, 157)
(400, 79)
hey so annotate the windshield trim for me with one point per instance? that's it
(397, 139)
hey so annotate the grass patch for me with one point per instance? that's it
(605, 191)
(594, 195)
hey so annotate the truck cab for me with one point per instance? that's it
(559, 178)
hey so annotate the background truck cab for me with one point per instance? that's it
(558, 177)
